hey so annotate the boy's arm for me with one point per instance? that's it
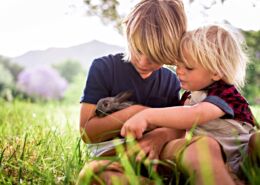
(181, 117)
(98, 129)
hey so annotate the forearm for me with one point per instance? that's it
(101, 129)
(172, 117)
(182, 117)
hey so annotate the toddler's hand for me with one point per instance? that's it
(135, 126)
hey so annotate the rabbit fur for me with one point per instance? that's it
(109, 105)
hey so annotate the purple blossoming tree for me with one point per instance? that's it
(43, 82)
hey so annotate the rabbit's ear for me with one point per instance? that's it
(123, 96)
(124, 105)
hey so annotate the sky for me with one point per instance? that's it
(27, 25)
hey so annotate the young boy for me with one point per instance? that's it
(212, 70)
(153, 31)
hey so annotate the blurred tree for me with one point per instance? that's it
(14, 69)
(69, 69)
(252, 90)
(108, 10)
(42, 82)
(6, 77)
(6, 83)
(75, 89)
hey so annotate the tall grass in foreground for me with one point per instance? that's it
(40, 144)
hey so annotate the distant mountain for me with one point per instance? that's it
(84, 53)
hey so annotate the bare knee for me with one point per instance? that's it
(90, 169)
(254, 147)
(197, 153)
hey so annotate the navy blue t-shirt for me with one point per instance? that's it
(111, 75)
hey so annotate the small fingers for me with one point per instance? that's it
(123, 131)
(152, 155)
(127, 130)
(138, 133)
(140, 156)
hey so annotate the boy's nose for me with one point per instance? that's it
(144, 61)
(179, 70)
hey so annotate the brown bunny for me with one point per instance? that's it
(109, 105)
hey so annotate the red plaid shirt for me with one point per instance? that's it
(230, 95)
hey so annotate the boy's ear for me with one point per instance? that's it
(216, 77)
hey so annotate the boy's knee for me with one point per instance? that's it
(254, 147)
(82, 178)
(254, 142)
(213, 146)
(198, 151)
(86, 174)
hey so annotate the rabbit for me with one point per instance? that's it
(109, 105)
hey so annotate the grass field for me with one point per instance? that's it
(40, 144)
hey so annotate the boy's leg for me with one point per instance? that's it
(113, 177)
(106, 171)
(201, 158)
(93, 171)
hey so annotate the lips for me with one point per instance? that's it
(143, 70)
(182, 81)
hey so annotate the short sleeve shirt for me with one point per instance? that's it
(229, 100)
(111, 75)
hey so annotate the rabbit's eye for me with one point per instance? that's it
(105, 104)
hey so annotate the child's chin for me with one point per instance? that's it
(184, 87)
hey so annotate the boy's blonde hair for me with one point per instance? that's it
(154, 29)
(218, 50)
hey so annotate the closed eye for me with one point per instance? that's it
(189, 68)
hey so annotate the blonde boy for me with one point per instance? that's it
(212, 71)
(153, 31)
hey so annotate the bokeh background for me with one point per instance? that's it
(44, 39)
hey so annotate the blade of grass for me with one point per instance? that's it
(21, 159)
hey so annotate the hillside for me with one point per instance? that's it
(84, 53)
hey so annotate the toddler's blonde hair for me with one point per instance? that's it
(154, 28)
(218, 50)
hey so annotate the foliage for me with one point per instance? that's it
(252, 90)
(6, 82)
(42, 82)
(6, 77)
(68, 69)
(107, 10)
(75, 89)
(14, 69)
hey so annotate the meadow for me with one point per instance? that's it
(40, 144)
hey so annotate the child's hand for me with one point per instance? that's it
(135, 126)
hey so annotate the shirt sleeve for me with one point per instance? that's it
(222, 104)
(97, 83)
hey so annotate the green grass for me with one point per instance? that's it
(256, 112)
(40, 144)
